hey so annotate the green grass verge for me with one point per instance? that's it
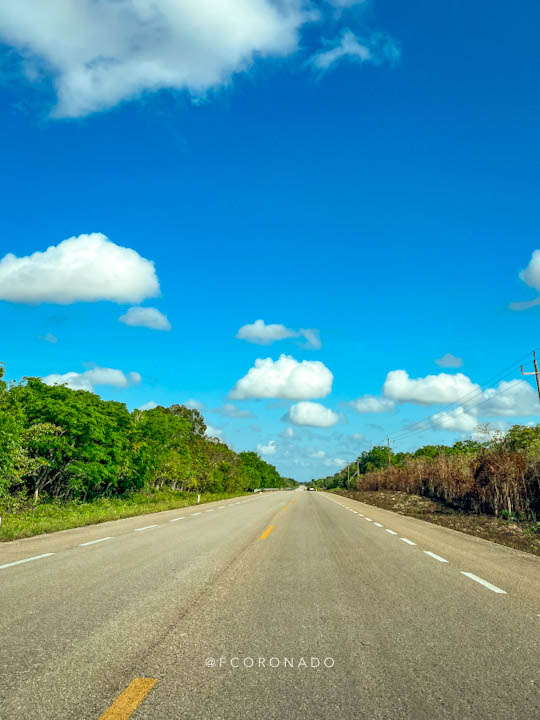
(21, 520)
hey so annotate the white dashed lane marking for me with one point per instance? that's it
(20, 562)
(435, 557)
(93, 542)
(406, 540)
(378, 524)
(146, 527)
(483, 582)
(392, 532)
(176, 519)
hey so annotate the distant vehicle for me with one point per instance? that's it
(257, 490)
(311, 489)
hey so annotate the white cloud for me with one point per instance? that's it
(268, 449)
(212, 431)
(193, 404)
(372, 404)
(96, 376)
(284, 378)
(148, 317)
(509, 399)
(313, 338)
(376, 48)
(150, 405)
(50, 338)
(449, 360)
(531, 277)
(288, 432)
(311, 414)
(86, 268)
(262, 334)
(531, 274)
(429, 390)
(100, 53)
(231, 411)
(458, 420)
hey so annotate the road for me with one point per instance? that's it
(268, 586)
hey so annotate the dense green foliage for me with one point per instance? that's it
(68, 444)
(499, 477)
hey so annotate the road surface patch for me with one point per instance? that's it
(30, 559)
(483, 582)
(125, 704)
(267, 532)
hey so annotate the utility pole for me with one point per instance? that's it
(388, 447)
(536, 373)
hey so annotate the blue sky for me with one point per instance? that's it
(368, 170)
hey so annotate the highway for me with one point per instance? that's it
(288, 604)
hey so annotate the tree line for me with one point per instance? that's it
(500, 477)
(67, 444)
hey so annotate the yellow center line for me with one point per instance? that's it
(267, 532)
(125, 704)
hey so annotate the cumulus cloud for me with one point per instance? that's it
(268, 449)
(509, 399)
(458, 420)
(284, 378)
(148, 317)
(86, 268)
(231, 411)
(262, 334)
(429, 390)
(372, 404)
(531, 277)
(49, 337)
(115, 50)
(449, 360)
(312, 414)
(377, 48)
(150, 405)
(95, 376)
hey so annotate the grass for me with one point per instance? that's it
(507, 530)
(20, 518)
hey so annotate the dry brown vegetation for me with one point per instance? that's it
(495, 481)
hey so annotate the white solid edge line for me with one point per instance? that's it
(392, 532)
(176, 519)
(146, 527)
(20, 562)
(435, 556)
(409, 542)
(485, 583)
(93, 542)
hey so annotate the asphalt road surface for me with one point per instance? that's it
(281, 605)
